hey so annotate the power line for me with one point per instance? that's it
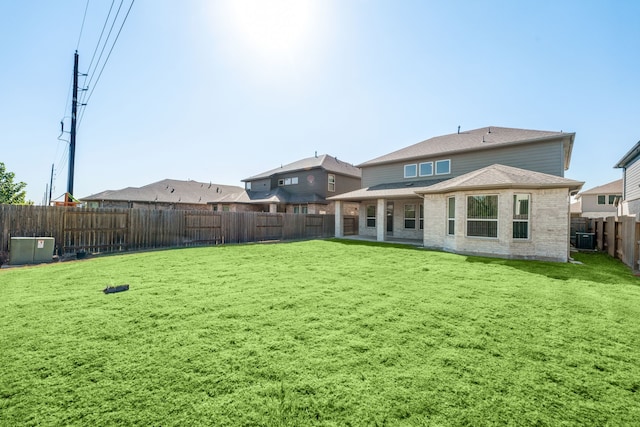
(86, 100)
(106, 40)
(82, 26)
(104, 26)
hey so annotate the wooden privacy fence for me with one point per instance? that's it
(619, 237)
(116, 230)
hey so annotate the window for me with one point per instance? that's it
(443, 167)
(426, 169)
(371, 215)
(521, 216)
(225, 208)
(280, 182)
(410, 171)
(612, 199)
(602, 199)
(409, 216)
(451, 216)
(294, 180)
(300, 209)
(287, 181)
(482, 216)
(247, 185)
(332, 182)
(421, 216)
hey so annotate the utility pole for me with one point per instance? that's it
(50, 186)
(74, 111)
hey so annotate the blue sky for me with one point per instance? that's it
(223, 90)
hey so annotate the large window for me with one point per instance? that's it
(482, 216)
(426, 169)
(332, 182)
(410, 171)
(443, 167)
(371, 215)
(451, 216)
(409, 216)
(602, 199)
(521, 204)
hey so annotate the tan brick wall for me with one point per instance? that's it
(548, 225)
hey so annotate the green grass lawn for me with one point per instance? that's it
(320, 333)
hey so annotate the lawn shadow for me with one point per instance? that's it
(592, 267)
(371, 243)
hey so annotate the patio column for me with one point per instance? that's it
(338, 214)
(273, 208)
(381, 214)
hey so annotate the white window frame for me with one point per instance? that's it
(451, 219)
(415, 170)
(247, 185)
(331, 183)
(294, 180)
(420, 169)
(438, 162)
(516, 214)
(280, 182)
(409, 218)
(370, 218)
(604, 199)
(421, 216)
(487, 219)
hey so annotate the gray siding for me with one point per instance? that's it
(316, 181)
(261, 185)
(545, 157)
(632, 181)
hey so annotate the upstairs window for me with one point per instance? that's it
(332, 182)
(612, 199)
(443, 167)
(426, 169)
(521, 203)
(410, 171)
(602, 199)
(482, 216)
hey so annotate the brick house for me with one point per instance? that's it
(472, 192)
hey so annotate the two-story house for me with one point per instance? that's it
(492, 191)
(601, 201)
(630, 182)
(301, 187)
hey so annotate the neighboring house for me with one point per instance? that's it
(165, 194)
(301, 187)
(631, 182)
(601, 201)
(490, 191)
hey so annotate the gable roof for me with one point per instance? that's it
(501, 177)
(473, 140)
(614, 187)
(630, 157)
(169, 191)
(325, 161)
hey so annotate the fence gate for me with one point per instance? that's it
(95, 232)
(203, 228)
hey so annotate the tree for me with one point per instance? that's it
(11, 193)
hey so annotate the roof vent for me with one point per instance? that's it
(482, 138)
(489, 129)
(458, 129)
